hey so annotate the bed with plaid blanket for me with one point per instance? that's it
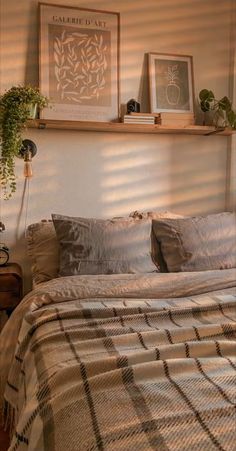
(123, 362)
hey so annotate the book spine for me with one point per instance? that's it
(136, 120)
(175, 122)
(139, 122)
(145, 114)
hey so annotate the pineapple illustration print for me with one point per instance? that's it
(172, 88)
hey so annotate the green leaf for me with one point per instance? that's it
(206, 95)
(225, 103)
(231, 116)
(203, 95)
(220, 113)
(210, 96)
(205, 106)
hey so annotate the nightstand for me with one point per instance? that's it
(11, 287)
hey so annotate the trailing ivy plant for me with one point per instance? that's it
(223, 112)
(15, 107)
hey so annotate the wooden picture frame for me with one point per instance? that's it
(79, 63)
(171, 86)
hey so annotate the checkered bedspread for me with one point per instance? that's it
(124, 363)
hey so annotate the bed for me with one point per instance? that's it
(137, 361)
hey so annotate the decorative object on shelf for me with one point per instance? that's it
(138, 118)
(181, 119)
(223, 114)
(133, 106)
(15, 110)
(79, 62)
(170, 83)
(154, 118)
(165, 119)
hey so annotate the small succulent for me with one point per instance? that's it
(222, 108)
(15, 107)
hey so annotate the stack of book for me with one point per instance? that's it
(166, 119)
(177, 119)
(139, 118)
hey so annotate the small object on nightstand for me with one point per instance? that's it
(4, 254)
(11, 287)
(4, 251)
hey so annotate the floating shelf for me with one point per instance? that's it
(120, 127)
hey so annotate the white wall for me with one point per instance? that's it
(104, 174)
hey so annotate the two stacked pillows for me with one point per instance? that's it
(142, 243)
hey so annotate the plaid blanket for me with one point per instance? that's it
(123, 363)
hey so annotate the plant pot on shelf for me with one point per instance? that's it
(223, 114)
(220, 119)
(33, 111)
(208, 118)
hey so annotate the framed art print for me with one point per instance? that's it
(170, 83)
(79, 63)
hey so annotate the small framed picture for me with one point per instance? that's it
(170, 83)
(79, 63)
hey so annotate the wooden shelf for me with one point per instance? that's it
(119, 127)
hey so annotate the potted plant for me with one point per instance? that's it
(15, 109)
(224, 115)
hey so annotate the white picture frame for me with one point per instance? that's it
(171, 86)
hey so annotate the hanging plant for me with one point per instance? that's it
(15, 110)
(224, 115)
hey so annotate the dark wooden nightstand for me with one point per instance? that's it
(11, 287)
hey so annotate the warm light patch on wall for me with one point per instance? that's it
(139, 177)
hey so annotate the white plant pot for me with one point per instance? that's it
(33, 110)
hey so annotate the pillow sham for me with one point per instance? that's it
(156, 250)
(198, 243)
(43, 250)
(98, 246)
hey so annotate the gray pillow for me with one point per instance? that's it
(97, 246)
(156, 250)
(199, 243)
